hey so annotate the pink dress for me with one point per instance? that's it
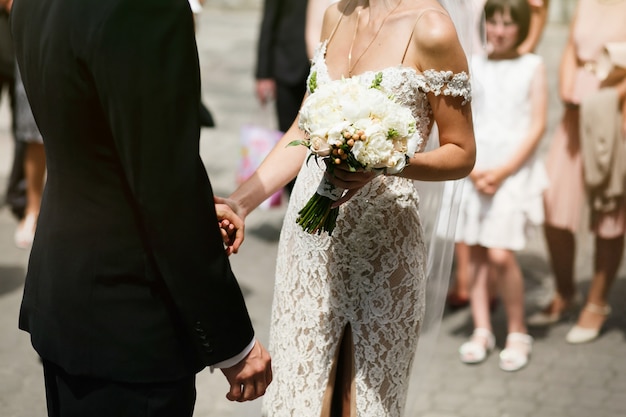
(597, 22)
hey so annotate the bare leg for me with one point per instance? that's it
(608, 257)
(482, 341)
(340, 396)
(460, 292)
(518, 343)
(34, 172)
(461, 289)
(479, 289)
(562, 248)
(511, 283)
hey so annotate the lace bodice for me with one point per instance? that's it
(408, 86)
(370, 274)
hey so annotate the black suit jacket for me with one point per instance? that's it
(128, 278)
(281, 51)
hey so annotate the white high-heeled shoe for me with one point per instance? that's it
(578, 334)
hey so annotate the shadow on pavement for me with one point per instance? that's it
(267, 231)
(11, 278)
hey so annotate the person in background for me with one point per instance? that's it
(458, 296)
(26, 131)
(591, 100)
(129, 290)
(29, 166)
(503, 198)
(15, 196)
(282, 64)
(206, 117)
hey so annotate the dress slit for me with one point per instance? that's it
(339, 398)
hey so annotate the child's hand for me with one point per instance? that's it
(488, 181)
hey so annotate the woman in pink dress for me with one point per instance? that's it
(596, 23)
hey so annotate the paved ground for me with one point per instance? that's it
(561, 380)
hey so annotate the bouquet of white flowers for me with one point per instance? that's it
(348, 122)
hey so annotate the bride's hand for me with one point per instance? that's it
(231, 224)
(352, 181)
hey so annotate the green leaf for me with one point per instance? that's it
(298, 142)
(378, 78)
(313, 82)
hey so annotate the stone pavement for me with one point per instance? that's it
(560, 381)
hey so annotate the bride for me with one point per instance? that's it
(348, 308)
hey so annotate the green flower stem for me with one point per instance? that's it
(317, 216)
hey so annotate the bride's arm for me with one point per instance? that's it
(435, 46)
(279, 167)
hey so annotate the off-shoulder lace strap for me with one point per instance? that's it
(406, 49)
(448, 84)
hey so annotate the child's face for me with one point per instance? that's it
(502, 32)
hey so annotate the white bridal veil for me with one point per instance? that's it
(439, 204)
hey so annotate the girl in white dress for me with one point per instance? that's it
(506, 185)
(348, 308)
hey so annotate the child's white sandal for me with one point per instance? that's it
(516, 356)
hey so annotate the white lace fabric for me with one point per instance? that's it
(371, 273)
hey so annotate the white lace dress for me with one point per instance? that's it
(370, 274)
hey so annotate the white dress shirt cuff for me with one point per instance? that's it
(195, 5)
(235, 359)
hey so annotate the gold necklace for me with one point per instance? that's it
(356, 30)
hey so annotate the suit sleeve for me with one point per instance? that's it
(147, 77)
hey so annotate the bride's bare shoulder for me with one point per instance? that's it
(435, 42)
(433, 28)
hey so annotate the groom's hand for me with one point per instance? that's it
(231, 226)
(249, 378)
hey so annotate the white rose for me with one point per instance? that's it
(358, 147)
(396, 163)
(354, 109)
(319, 146)
(377, 147)
(412, 143)
(335, 133)
(400, 120)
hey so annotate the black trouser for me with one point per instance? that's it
(77, 396)
(288, 101)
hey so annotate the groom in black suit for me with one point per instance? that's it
(129, 291)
